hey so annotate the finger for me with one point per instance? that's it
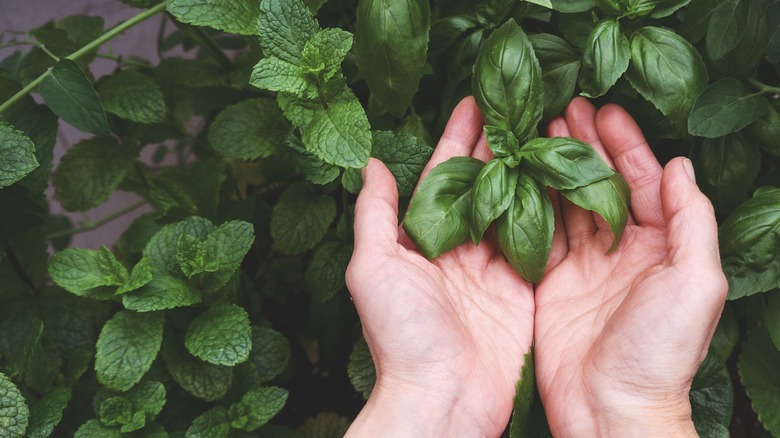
(482, 150)
(560, 242)
(579, 223)
(581, 118)
(634, 160)
(376, 212)
(460, 136)
(692, 231)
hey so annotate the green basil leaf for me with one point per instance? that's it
(437, 220)
(391, 43)
(773, 46)
(572, 6)
(563, 162)
(70, 95)
(697, 19)
(609, 198)
(666, 70)
(724, 107)
(758, 366)
(772, 318)
(727, 25)
(726, 169)
(493, 191)
(507, 82)
(726, 334)
(576, 28)
(712, 399)
(526, 228)
(500, 141)
(560, 64)
(463, 56)
(446, 31)
(766, 131)
(605, 58)
(749, 243)
(743, 59)
(665, 8)
(524, 399)
(284, 28)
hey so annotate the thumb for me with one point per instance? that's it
(692, 231)
(376, 211)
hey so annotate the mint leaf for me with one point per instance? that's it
(257, 407)
(195, 189)
(140, 276)
(21, 333)
(270, 353)
(133, 96)
(251, 129)
(325, 274)
(300, 219)
(148, 398)
(274, 74)
(163, 292)
(340, 135)
(284, 28)
(191, 73)
(724, 107)
(191, 253)
(757, 367)
(315, 170)
(46, 413)
(115, 411)
(14, 414)
(40, 125)
(712, 399)
(161, 250)
(203, 380)
(361, 369)
(225, 248)
(90, 171)
(404, 155)
(126, 347)
(231, 16)
(70, 95)
(772, 318)
(327, 48)
(214, 423)
(79, 270)
(95, 429)
(220, 336)
(324, 425)
(17, 155)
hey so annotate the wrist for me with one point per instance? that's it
(411, 411)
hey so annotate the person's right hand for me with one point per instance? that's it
(619, 336)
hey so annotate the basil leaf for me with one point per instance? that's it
(526, 228)
(727, 24)
(461, 63)
(665, 8)
(744, 58)
(609, 198)
(437, 220)
(749, 243)
(563, 163)
(493, 191)
(391, 43)
(507, 82)
(726, 169)
(697, 19)
(758, 372)
(500, 141)
(560, 64)
(724, 107)
(626, 8)
(445, 31)
(605, 58)
(666, 70)
(572, 6)
(766, 131)
(712, 398)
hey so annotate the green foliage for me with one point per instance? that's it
(223, 309)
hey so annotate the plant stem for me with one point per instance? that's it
(89, 226)
(125, 61)
(763, 87)
(19, 269)
(121, 27)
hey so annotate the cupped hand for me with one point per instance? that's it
(619, 336)
(447, 335)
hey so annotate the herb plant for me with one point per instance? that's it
(223, 310)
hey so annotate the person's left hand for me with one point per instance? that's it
(447, 335)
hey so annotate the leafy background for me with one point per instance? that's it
(223, 311)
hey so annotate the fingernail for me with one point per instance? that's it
(689, 169)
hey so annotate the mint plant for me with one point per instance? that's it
(223, 311)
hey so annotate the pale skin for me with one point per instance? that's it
(618, 337)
